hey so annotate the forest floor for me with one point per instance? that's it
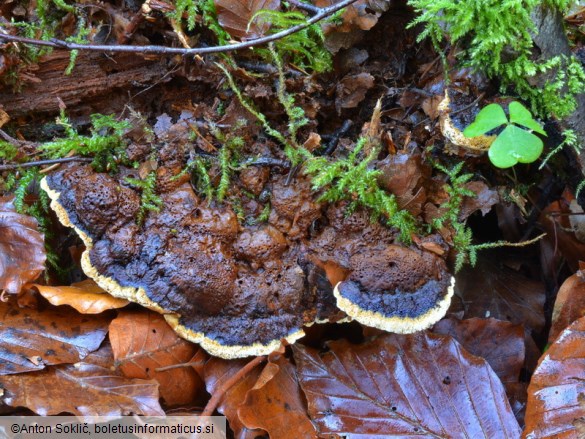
(260, 204)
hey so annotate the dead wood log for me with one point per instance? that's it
(102, 83)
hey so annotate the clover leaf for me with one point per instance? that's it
(514, 144)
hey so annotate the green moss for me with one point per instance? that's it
(7, 150)
(105, 144)
(497, 36)
(305, 49)
(149, 200)
(353, 179)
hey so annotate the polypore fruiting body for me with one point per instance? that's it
(379, 283)
(396, 289)
(453, 120)
(236, 289)
(237, 293)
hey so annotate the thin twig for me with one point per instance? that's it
(180, 365)
(475, 102)
(163, 50)
(44, 162)
(305, 6)
(11, 139)
(218, 394)
(264, 161)
(342, 131)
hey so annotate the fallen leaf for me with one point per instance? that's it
(555, 222)
(142, 341)
(569, 304)
(56, 335)
(22, 248)
(81, 389)
(352, 89)
(215, 372)
(423, 385)
(403, 175)
(234, 16)
(484, 200)
(491, 289)
(554, 409)
(86, 296)
(276, 406)
(499, 342)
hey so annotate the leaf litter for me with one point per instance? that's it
(324, 384)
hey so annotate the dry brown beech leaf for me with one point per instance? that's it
(56, 335)
(22, 248)
(276, 406)
(86, 296)
(557, 387)
(569, 304)
(142, 341)
(234, 16)
(554, 220)
(491, 289)
(422, 385)
(352, 89)
(81, 389)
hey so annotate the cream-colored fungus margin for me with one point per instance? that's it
(138, 295)
(454, 134)
(400, 325)
(225, 351)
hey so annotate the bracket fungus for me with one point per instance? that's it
(239, 289)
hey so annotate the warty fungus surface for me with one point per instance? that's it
(239, 289)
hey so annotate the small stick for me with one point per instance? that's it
(336, 136)
(178, 366)
(219, 393)
(164, 50)
(44, 162)
(305, 6)
(479, 98)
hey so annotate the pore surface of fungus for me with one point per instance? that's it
(239, 288)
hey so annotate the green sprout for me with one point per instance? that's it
(516, 143)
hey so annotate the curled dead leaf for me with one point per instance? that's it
(276, 405)
(554, 409)
(235, 15)
(143, 342)
(569, 304)
(55, 335)
(22, 248)
(86, 296)
(82, 389)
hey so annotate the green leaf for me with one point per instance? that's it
(490, 117)
(521, 115)
(514, 145)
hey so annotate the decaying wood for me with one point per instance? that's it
(98, 81)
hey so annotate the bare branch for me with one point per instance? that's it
(163, 50)
(44, 162)
(305, 6)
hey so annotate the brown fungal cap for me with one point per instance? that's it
(238, 291)
(396, 289)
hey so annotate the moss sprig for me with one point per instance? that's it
(354, 180)
(149, 199)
